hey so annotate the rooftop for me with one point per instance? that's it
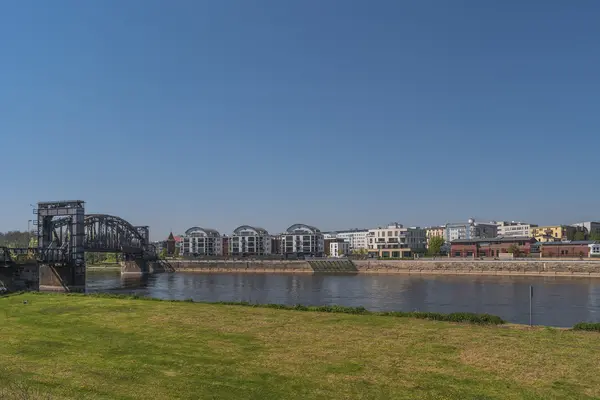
(505, 239)
(570, 242)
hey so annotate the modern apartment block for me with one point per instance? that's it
(395, 241)
(249, 241)
(356, 238)
(201, 242)
(303, 239)
(339, 248)
(513, 229)
(470, 230)
(553, 233)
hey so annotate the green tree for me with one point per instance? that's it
(176, 252)
(163, 253)
(514, 250)
(435, 245)
(579, 235)
(595, 236)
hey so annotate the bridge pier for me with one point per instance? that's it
(134, 267)
(61, 278)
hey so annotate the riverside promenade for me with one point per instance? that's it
(576, 268)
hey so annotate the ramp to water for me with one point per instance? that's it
(333, 266)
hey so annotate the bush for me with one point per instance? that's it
(587, 326)
(482, 319)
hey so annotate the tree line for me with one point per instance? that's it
(16, 239)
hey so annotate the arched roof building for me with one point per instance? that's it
(199, 241)
(303, 228)
(303, 239)
(250, 230)
(250, 241)
(198, 231)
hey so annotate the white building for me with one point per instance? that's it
(339, 249)
(201, 242)
(249, 240)
(356, 238)
(303, 239)
(512, 229)
(470, 230)
(396, 241)
(595, 250)
(591, 228)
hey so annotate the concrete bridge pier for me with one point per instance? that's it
(61, 278)
(134, 267)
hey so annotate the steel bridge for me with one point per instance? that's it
(104, 234)
(65, 233)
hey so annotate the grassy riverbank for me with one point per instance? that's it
(90, 347)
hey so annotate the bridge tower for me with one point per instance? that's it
(61, 254)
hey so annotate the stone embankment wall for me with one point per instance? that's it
(462, 267)
(18, 277)
(433, 267)
(243, 266)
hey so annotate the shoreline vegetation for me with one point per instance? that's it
(457, 317)
(116, 346)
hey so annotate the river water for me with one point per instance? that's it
(557, 301)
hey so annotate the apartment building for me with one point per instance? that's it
(339, 248)
(469, 230)
(395, 241)
(303, 239)
(553, 233)
(356, 238)
(512, 229)
(249, 240)
(199, 241)
(434, 231)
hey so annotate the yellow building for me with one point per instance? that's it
(434, 231)
(555, 233)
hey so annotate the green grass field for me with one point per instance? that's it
(87, 347)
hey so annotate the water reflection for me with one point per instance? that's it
(558, 301)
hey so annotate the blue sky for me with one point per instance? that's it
(338, 114)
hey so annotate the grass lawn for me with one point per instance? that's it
(88, 347)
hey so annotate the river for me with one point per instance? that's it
(557, 301)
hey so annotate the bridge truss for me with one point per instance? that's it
(65, 235)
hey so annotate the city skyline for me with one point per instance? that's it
(335, 114)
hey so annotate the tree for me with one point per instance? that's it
(579, 235)
(176, 252)
(163, 253)
(359, 252)
(435, 245)
(595, 236)
(514, 250)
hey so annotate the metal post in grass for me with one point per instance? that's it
(530, 303)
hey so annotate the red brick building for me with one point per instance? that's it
(490, 247)
(566, 249)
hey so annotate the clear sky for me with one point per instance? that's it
(337, 114)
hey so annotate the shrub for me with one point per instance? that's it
(587, 326)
